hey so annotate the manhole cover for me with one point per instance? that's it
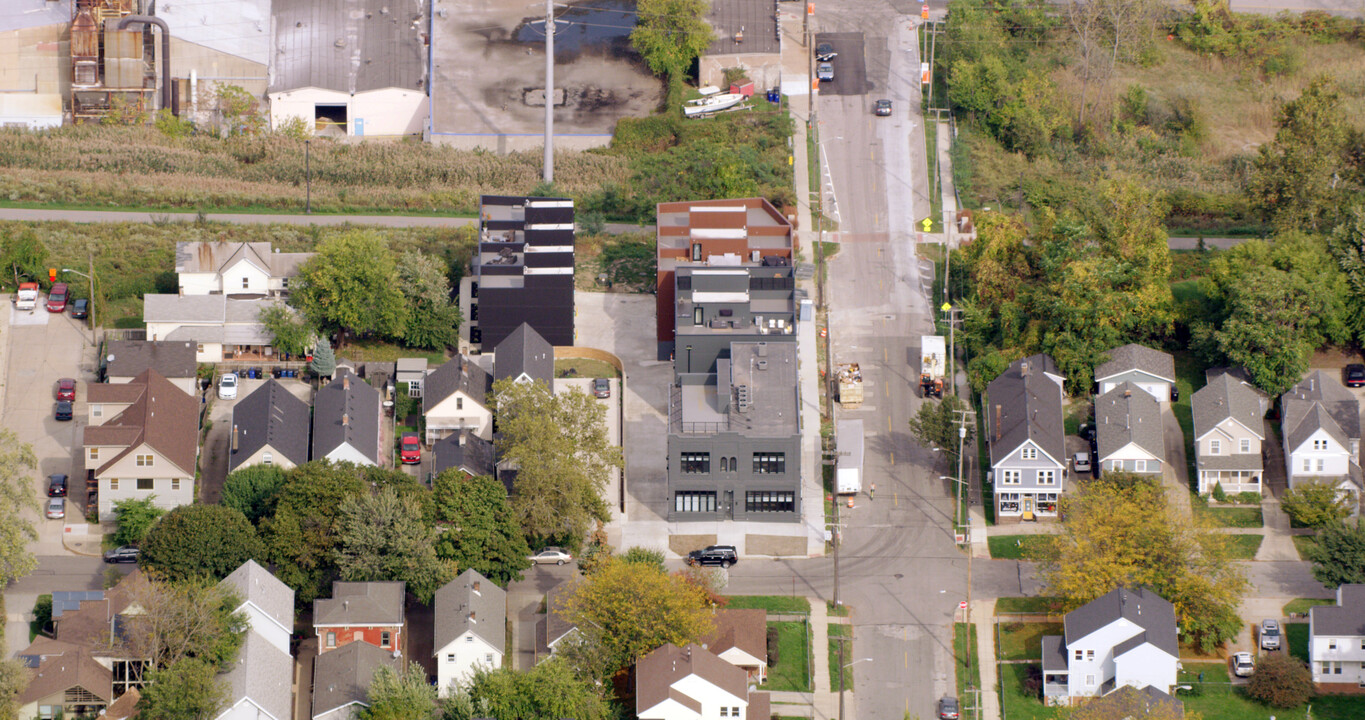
(899, 576)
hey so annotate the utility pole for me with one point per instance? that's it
(829, 457)
(549, 174)
(308, 171)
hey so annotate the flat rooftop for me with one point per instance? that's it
(757, 20)
(760, 381)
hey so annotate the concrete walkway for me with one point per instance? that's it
(1175, 474)
(983, 615)
(823, 702)
(1278, 544)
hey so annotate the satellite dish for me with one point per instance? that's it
(110, 358)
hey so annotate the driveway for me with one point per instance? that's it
(524, 605)
(214, 455)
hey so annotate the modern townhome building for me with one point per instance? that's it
(734, 431)
(1321, 429)
(522, 272)
(525, 356)
(1149, 370)
(1229, 427)
(346, 420)
(220, 326)
(1336, 642)
(1027, 438)
(739, 637)
(239, 269)
(1128, 434)
(368, 612)
(454, 398)
(470, 629)
(142, 441)
(748, 232)
(689, 683)
(126, 359)
(269, 428)
(260, 683)
(342, 677)
(1123, 638)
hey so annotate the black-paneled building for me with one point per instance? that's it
(523, 270)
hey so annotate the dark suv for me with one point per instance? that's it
(722, 555)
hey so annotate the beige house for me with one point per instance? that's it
(142, 440)
(1228, 432)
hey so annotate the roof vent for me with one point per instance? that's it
(742, 397)
(762, 364)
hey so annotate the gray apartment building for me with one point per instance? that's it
(734, 434)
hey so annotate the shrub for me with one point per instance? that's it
(1316, 504)
(42, 612)
(1219, 495)
(1033, 682)
(772, 645)
(1280, 681)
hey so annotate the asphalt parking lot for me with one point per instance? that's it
(42, 348)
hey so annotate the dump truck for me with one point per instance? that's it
(933, 355)
(848, 472)
(27, 297)
(850, 379)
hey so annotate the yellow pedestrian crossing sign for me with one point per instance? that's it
(945, 307)
(926, 223)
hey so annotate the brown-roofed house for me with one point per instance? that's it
(740, 639)
(72, 683)
(689, 683)
(369, 612)
(143, 441)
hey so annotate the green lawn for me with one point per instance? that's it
(968, 672)
(1023, 641)
(377, 351)
(1299, 606)
(1244, 546)
(771, 603)
(836, 632)
(1219, 700)
(840, 611)
(1185, 290)
(1013, 547)
(584, 368)
(791, 672)
(1189, 376)
(1302, 543)
(1015, 704)
(1042, 604)
(1234, 517)
(1296, 635)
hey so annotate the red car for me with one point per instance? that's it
(56, 298)
(66, 389)
(410, 449)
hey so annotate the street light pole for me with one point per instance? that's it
(94, 339)
(842, 667)
(549, 174)
(308, 170)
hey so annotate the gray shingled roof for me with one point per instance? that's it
(1346, 618)
(350, 46)
(270, 415)
(1128, 414)
(1226, 396)
(470, 603)
(1142, 607)
(556, 624)
(1137, 357)
(263, 675)
(353, 398)
(131, 357)
(1319, 401)
(215, 256)
(1054, 654)
(342, 676)
(476, 456)
(459, 373)
(525, 351)
(257, 586)
(1022, 407)
(361, 603)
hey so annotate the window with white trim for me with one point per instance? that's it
(94, 453)
(1244, 446)
(1307, 465)
(694, 502)
(1029, 453)
(144, 460)
(1322, 463)
(175, 483)
(1319, 444)
(268, 458)
(1009, 477)
(1140, 466)
(1215, 447)
(1047, 477)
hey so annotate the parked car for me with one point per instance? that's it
(125, 554)
(824, 71)
(56, 508)
(63, 411)
(722, 555)
(1080, 462)
(410, 449)
(824, 52)
(56, 485)
(551, 555)
(601, 388)
(948, 708)
(227, 386)
(80, 308)
(66, 389)
(56, 298)
(1355, 375)
(1243, 664)
(1270, 634)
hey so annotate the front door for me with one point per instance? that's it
(1028, 507)
(729, 508)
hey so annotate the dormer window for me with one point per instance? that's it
(1319, 444)
(1029, 453)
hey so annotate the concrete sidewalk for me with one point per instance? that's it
(983, 615)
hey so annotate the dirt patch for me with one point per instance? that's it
(775, 545)
(684, 544)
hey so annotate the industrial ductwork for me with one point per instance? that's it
(165, 51)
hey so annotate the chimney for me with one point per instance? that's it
(461, 439)
(476, 586)
(346, 382)
(234, 437)
(1023, 368)
(997, 422)
(345, 420)
(471, 616)
(1127, 392)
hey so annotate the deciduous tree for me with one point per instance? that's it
(134, 518)
(290, 332)
(382, 536)
(1317, 503)
(433, 319)
(477, 528)
(400, 696)
(188, 690)
(23, 257)
(937, 425)
(630, 608)
(1127, 534)
(300, 537)
(550, 689)
(187, 619)
(252, 490)
(1280, 680)
(1129, 703)
(199, 541)
(352, 284)
(1338, 554)
(558, 443)
(17, 462)
(670, 34)
(14, 678)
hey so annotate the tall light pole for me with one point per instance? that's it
(843, 666)
(308, 171)
(549, 174)
(91, 277)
